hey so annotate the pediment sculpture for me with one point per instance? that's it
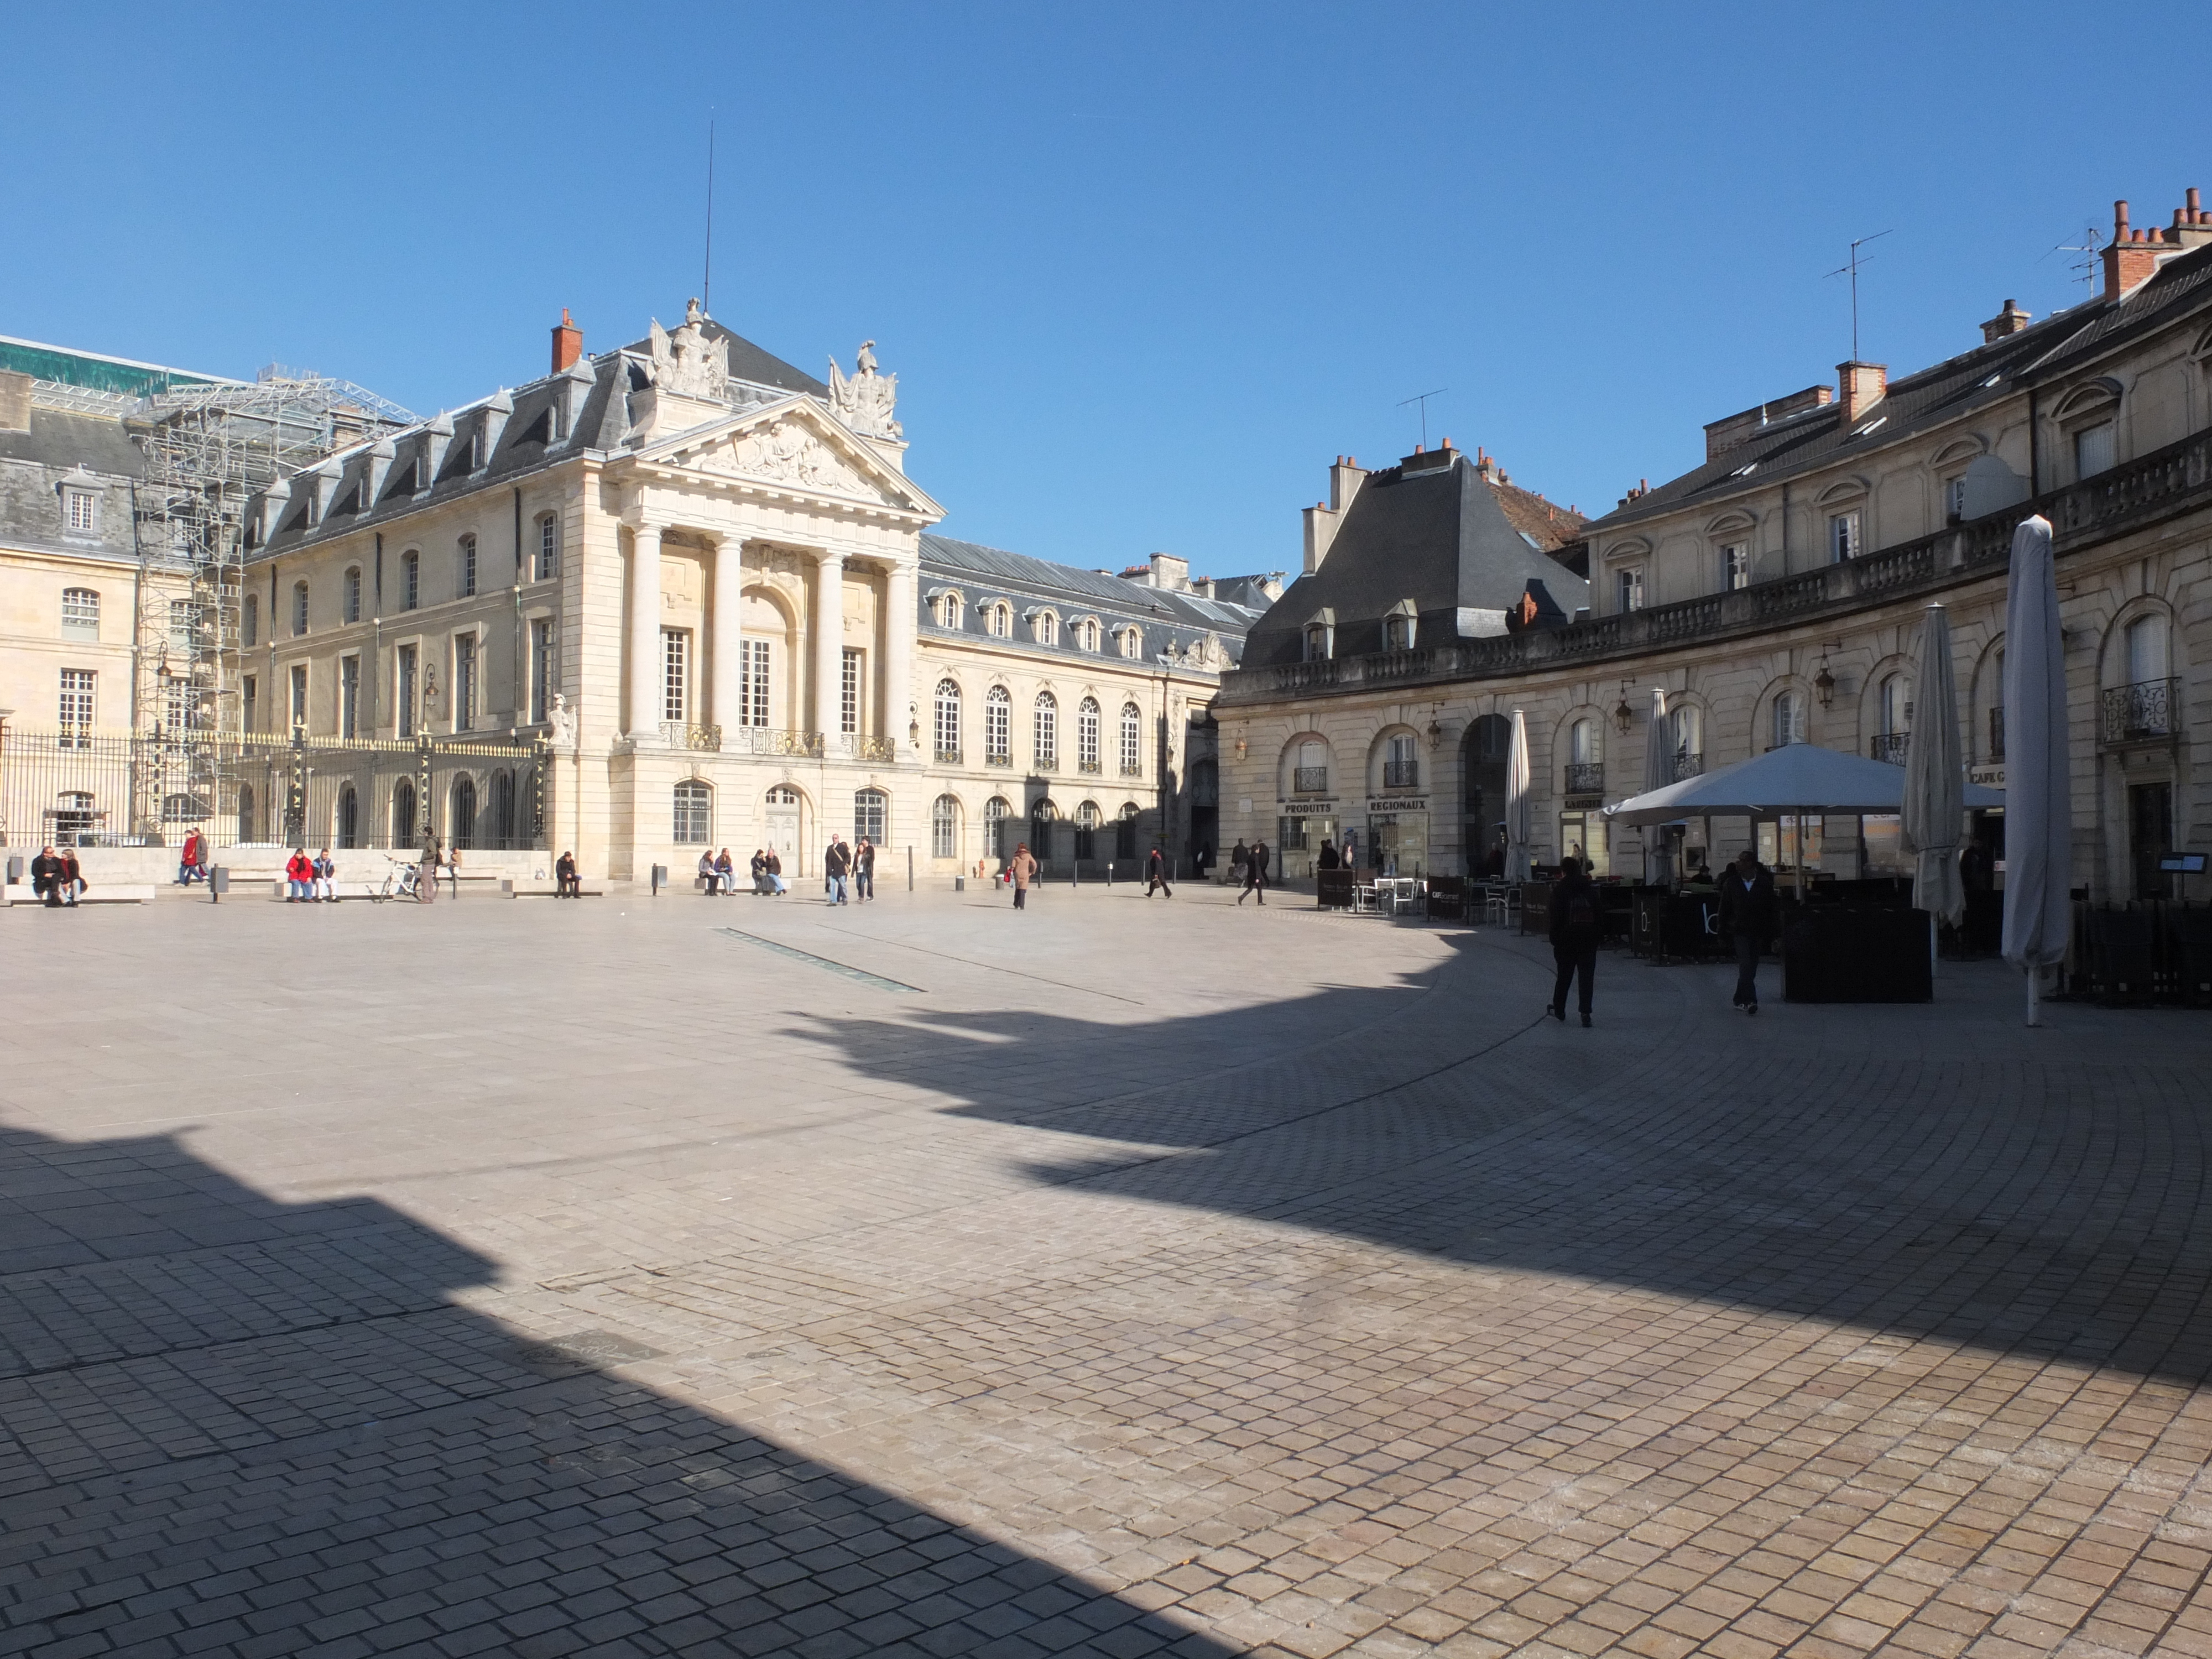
(787, 453)
(687, 364)
(866, 401)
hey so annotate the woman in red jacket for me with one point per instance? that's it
(299, 872)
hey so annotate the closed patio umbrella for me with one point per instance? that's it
(1934, 804)
(1658, 772)
(2039, 781)
(1516, 801)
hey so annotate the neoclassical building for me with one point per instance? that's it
(1774, 595)
(702, 578)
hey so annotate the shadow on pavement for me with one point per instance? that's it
(232, 1424)
(2051, 1207)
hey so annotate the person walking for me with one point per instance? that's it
(1255, 873)
(1239, 857)
(1156, 871)
(1748, 917)
(1022, 868)
(864, 870)
(1574, 936)
(299, 877)
(565, 883)
(192, 863)
(47, 877)
(836, 867)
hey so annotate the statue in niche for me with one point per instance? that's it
(686, 364)
(562, 723)
(866, 401)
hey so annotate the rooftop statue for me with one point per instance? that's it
(686, 364)
(865, 402)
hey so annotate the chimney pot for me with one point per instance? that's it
(568, 341)
(1417, 448)
(2119, 222)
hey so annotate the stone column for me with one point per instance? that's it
(898, 654)
(728, 703)
(829, 644)
(644, 676)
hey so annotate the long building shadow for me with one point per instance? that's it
(2049, 1208)
(233, 1425)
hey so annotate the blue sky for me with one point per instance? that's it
(1142, 271)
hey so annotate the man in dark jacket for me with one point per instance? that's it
(565, 883)
(1256, 873)
(47, 877)
(1574, 936)
(1747, 916)
(1156, 872)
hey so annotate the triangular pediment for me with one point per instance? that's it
(794, 445)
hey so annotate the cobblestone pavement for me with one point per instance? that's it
(1125, 1277)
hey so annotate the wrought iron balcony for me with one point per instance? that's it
(1689, 765)
(680, 734)
(865, 747)
(1131, 769)
(2148, 709)
(948, 757)
(1402, 774)
(1309, 780)
(767, 740)
(1889, 746)
(1585, 777)
(1996, 733)
(1088, 766)
(1000, 759)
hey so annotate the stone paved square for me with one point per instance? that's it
(1126, 1277)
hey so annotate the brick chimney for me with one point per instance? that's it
(568, 341)
(2011, 321)
(2192, 225)
(2132, 256)
(1860, 386)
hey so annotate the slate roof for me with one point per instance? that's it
(749, 362)
(33, 465)
(1820, 437)
(1430, 530)
(979, 574)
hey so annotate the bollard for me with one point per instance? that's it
(959, 883)
(218, 883)
(909, 866)
(15, 869)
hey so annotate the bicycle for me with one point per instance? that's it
(403, 880)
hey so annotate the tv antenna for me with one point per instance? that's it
(707, 280)
(1850, 268)
(2085, 268)
(1422, 399)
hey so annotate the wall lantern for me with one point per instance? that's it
(1823, 684)
(1435, 732)
(914, 725)
(1624, 716)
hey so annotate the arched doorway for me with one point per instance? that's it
(1482, 763)
(461, 816)
(784, 829)
(502, 808)
(1205, 810)
(349, 816)
(402, 813)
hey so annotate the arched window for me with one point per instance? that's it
(2146, 706)
(461, 813)
(1133, 740)
(353, 593)
(948, 610)
(944, 827)
(299, 608)
(466, 556)
(503, 808)
(2146, 653)
(1047, 719)
(948, 722)
(998, 727)
(1043, 814)
(80, 613)
(996, 815)
(1689, 740)
(348, 827)
(1788, 719)
(549, 549)
(1086, 735)
(1125, 831)
(404, 826)
(411, 579)
(1087, 829)
(1086, 634)
(1002, 621)
(1401, 763)
(872, 816)
(694, 814)
(1047, 627)
(1132, 642)
(249, 622)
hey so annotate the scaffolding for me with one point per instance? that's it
(209, 449)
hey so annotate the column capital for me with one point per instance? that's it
(826, 556)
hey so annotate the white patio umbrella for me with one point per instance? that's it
(1658, 762)
(2039, 781)
(1802, 778)
(1934, 804)
(1516, 801)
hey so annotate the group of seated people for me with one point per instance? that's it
(718, 874)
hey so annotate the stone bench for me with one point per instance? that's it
(545, 887)
(105, 893)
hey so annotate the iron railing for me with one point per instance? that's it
(1585, 778)
(1308, 780)
(1889, 746)
(948, 757)
(1689, 765)
(1005, 759)
(2147, 709)
(680, 734)
(1402, 774)
(770, 740)
(1996, 733)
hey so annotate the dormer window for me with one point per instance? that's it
(1002, 621)
(1086, 634)
(1321, 637)
(1398, 627)
(1044, 627)
(948, 610)
(80, 511)
(1132, 642)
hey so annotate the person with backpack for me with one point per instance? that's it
(1748, 917)
(1574, 936)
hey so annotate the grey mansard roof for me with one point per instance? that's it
(82, 448)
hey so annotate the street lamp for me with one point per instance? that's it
(1824, 682)
(1624, 716)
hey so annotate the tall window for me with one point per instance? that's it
(348, 696)
(871, 815)
(694, 814)
(541, 670)
(77, 708)
(999, 727)
(83, 511)
(549, 549)
(848, 693)
(1087, 829)
(410, 581)
(468, 564)
(404, 825)
(2145, 641)
(1087, 634)
(180, 706)
(1582, 744)
(1955, 500)
(249, 621)
(2092, 450)
(250, 699)
(1125, 831)
(1401, 765)
(948, 610)
(996, 815)
(1896, 705)
(465, 681)
(1843, 536)
(944, 827)
(1788, 719)
(1047, 627)
(299, 695)
(1046, 717)
(675, 674)
(299, 608)
(753, 657)
(1689, 738)
(1133, 740)
(948, 722)
(349, 818)
(1628, 590)
(80, 613)
(1086, 734)
(181, 625)
(404, 704)
(353, 593)
(1736, 565)
(1002, 621)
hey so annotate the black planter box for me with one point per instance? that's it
(1845, 953)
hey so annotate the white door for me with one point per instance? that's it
(783, 837)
